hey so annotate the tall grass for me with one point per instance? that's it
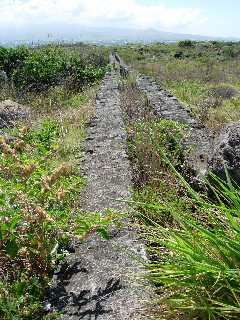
(199, 262)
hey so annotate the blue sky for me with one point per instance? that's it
(206, 17)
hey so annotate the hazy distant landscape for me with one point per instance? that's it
(107, 36)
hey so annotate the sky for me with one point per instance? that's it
(205, 17)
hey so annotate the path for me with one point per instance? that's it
(99, 281)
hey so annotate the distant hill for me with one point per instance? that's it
(77, 33)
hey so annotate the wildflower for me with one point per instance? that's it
(41, 213)
(61, 194)
(20, 145)
(28, 170)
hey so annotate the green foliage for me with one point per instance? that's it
(43, 68)
(199, 267)
(186, 43)
(77, 100)
(23, 294)
(179, 54)
(12, 58)
(39, 69)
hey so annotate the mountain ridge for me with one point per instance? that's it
(77, 33)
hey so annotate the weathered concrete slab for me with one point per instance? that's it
(199, 139)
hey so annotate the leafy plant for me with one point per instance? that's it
(186, 43)
(41, 68)
(12, 58)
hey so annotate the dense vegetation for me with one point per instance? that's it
(38, 69)
(193, 241)
(39, 169)
(203, 75)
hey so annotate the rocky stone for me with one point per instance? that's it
(226, 153)
(224, 92)
(11, 112)
(198, 140)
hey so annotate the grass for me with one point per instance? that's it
(197, 273)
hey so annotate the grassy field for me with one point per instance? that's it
(204, 76)
(40, 176)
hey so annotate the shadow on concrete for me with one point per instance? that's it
(82, 305)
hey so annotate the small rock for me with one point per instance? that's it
(224, 92)
(10, 112)
(226, 153)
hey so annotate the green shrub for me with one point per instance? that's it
(179, 54)
(12, 58)
(186, 43)
(42, 68)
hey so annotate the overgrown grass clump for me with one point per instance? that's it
(146, 138)
(197, 270)
(193, 242)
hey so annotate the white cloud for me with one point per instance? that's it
(114, 13)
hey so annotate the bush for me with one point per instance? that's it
(179, 54)
(42, 69)
(12, 59)
(39, 69)
(186, 43)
